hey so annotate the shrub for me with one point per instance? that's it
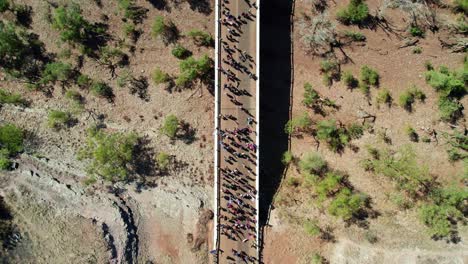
(158, 76)
(298, 124)
(461, 6)
(293, 182)
(12, 98)
(406, 100)
(328, 66)
(11, 139)
(163, 160)
(355, 36)
(192, 69)
(402, 168)
(180, 52)
(4, 5)
(450, 109)
(201, 38)
(131, 11)
(317, 259)
(312, 163)
(56, 71)
(166, 30)
(413, 136)
(336, 138)
(170, 126)
(71, 24)
(355, 131)
(384, 97)
(349, 80)
(112, 154)
(129, 30)
(84, 81)
(74, 96)
(451, 87)
(417, 50)
(310, 95)
(329, 185)
(327, 80)
(369, 76)
(287, 157)
(416, 31)
(102, 89)
(58, 119)
(347, 205)
(357, 12)
(312, 228)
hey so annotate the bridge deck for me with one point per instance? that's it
(236, 185)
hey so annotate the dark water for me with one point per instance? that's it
(275, 83)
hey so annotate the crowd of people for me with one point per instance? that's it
(237, 218)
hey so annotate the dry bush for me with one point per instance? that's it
(318, 35)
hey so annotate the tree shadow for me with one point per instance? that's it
(202, 6)
(139, 86)
(186, 133)
(143, 163)
(160, 5)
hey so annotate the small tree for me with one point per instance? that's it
(384, 97)
(158, 76)
(336, 138)
(312, 228)
(170, 126)
(349, 80)
(111, 155)
(166, 30)
(369, 76)
(58, 119)
(102, 89)
(298, 124)
(11, 143)
(12, 98)
(287, 157)
(347, 205)
(201, 38)
(180, 52)
(56, 71)
(192, 69)
(312, 164)
(111, 58)
(357, 12)
(71, 24)
(163, 160)
(84, 81)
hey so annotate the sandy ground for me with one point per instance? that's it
(399, 69)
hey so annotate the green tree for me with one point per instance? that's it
(329, 185)
(111, 155)
(384, 97)
(357, 12)
(192, 69)
(102, 89)
(11, 139)
(347, 205)
(369, 76)
(336, 138)
(56, 71)
(71, 24)
(170, 126)
(349, 80)
(180, 52)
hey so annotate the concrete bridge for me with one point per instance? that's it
(236, 236)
